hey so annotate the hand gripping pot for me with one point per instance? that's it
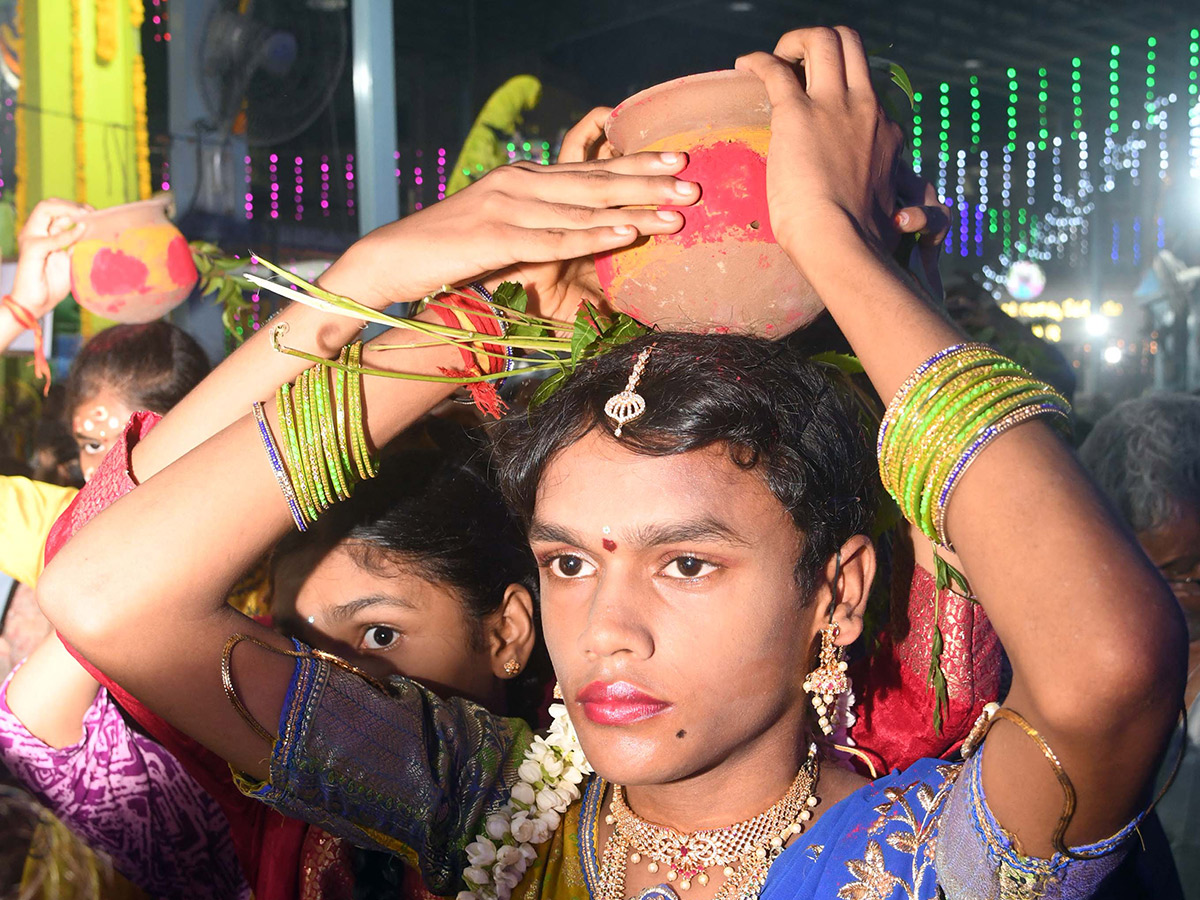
(723, 272)
(132, 264)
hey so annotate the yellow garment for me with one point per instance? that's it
(28, 510)
(61, 867)
(501, 114)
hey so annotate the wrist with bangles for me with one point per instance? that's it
(323, 453)
(943, 416)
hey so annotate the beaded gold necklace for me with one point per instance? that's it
(744, 852)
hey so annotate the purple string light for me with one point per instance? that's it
(273, 168)
(166, 175)
(249, 194)
(350, 184)
(298, 171)
(325, 186)
(419, 181)
(441, 168)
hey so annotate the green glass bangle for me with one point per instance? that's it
(980, 415)
(339, 403)
(924, 409)
(295, 460)
(1031, 394)
(326, 426)
(358, 443)
(911, 412)
(985, 386)
(310, 442)
(901, 395)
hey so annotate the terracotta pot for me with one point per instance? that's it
(723, 271)
(132, 264)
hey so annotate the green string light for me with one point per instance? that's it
(1012, 110)
(944, 135)
(1114, 89)
(1194, 63)
(975, 104)
(1076, 98)
(1151, 69)
(1043, 93)
(918, 133)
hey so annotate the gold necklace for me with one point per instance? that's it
(744, 851)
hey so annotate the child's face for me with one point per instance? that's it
(387, 621)
(96, 423)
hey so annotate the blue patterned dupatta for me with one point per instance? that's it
(926, 832)
(877, 843)
(862, 848)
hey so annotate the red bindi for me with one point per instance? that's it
(609, 544)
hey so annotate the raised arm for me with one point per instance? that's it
(43, 277)
(1096, 640)
(156, 621)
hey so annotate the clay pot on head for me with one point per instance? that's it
(132, 264)
(723, 271)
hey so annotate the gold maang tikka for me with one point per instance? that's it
(628, 405)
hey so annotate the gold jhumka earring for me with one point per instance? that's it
(828, 681)
(512, 668)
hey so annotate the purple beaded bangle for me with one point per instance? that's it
(912, 380)
(281, 476)
(985, 437)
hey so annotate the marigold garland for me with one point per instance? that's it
(106, 31)
(137, 13)
(141, 131)
(77, 104)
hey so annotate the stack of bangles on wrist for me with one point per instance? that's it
(324, 448)
(476, 314)
(954, 404)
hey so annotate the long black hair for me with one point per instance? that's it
(150, 366)
(778, 413)
(438, 511)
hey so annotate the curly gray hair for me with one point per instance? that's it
(1145, 455)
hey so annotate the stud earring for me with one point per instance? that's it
(512, 668)
(828, 680)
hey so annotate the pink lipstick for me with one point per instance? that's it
(619, 703)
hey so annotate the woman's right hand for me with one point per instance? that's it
(43, 277)
(521, 213)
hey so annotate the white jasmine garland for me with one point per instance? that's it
(547, 783)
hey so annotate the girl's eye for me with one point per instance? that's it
(380, 637)
(568, 566)
(92, 447)
(688, 567)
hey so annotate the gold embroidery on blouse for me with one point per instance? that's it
(873, 881)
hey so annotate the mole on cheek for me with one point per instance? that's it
(609, 544)
(681, 734)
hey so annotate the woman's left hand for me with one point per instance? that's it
(833, 151)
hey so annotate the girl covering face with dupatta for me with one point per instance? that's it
(696, 505)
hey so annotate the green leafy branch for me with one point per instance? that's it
(220, 277)
(547, 344)
(945, 576)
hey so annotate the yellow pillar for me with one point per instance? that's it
(81, 132)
